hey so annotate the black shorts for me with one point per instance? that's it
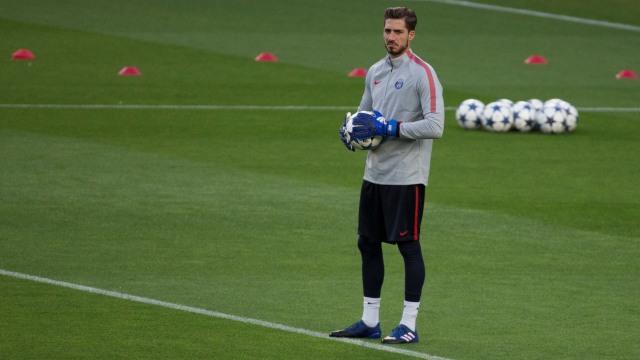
(390, 213)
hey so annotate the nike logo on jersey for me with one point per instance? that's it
(403, 233)
(376, 82)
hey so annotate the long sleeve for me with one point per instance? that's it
(432, 102)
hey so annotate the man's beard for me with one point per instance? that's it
(396, 50)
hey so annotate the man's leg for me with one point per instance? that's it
(370, 222)
(414, 275)
(372, 278)
(414, 280)
(414, 272)
(372, 266)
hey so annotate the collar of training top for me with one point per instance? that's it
(397, 62)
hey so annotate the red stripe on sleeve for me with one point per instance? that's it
(432, 85)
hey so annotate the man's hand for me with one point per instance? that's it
(367, 125)
(363, 125)
(343, 133)
(386, 127)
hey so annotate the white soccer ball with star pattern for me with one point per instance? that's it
(571, 121)
(524, 116)
(497, 117)
(536, 103)
(552, 119)
(469, 114)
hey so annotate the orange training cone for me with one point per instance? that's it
(358, 72)
(536, 59)
(626, 74)
(130, 71)
(23, 54)
(266, 56)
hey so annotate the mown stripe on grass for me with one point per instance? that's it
(216, 314)
(171, 107)
(540, 14)
(241, 107)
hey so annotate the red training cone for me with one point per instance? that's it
(266, 56)
(23, 54)
(130, 71)
(358, 72)
(626, 74)
(536, 59)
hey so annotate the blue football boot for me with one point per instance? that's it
(401, 335)
(359, 330)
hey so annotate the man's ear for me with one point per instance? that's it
(412, 33)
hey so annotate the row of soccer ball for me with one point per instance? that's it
(553, 116)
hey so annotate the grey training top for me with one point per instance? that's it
(404, 89)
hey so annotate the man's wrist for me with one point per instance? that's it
(393, 128)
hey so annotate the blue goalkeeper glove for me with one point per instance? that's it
(386, 127)
(344, 135)
(370, 124)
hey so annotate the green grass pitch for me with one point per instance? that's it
(531, 241)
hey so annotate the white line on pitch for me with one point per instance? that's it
(216, 314)
(573, 19)
(608, 109)
(241, 107)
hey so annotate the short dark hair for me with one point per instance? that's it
(410, 18)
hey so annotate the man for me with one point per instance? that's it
(403, 87)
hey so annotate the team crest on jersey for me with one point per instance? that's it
(399, 84)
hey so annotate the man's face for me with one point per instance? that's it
(397, 37)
